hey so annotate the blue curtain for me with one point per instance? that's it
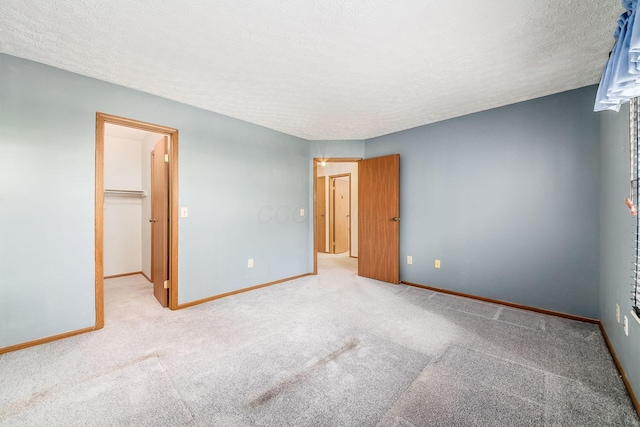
(621, 78)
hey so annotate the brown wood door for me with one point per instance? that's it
(379, 218)
(340, 214)
(160, 220)
(321, 213)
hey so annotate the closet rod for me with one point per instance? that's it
(117, 192)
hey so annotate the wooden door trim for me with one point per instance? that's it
(150, 278)
(338, 160)
(317, 160)
(99, 222)
(101, 120)
(320, 232)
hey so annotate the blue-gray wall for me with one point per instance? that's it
(508, 199)
(337, 149)
(243, 184)
(617, 228)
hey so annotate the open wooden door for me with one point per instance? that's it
(160, 220)
(340, 214)
(379, 218)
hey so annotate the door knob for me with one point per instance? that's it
(396, 218)
(152, 220)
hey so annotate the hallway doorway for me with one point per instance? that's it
(374, 233)
(335, 210)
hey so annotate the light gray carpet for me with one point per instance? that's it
(329, 350)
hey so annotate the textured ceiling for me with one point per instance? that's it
(323, 69)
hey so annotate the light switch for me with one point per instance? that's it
(184, 212)
(301, 212)
(625, 325)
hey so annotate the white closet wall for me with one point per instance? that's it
(122, 225)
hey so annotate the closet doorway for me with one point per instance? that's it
(136, 206)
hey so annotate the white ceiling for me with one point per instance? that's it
(323, 69)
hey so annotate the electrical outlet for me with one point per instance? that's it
(437, 263)
(626, 326)
(409, 259)
(250, 263)
(618, 312)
